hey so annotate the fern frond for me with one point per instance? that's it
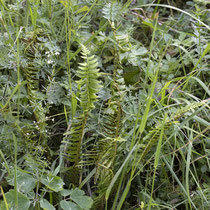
(88, 84)
(71, 147)
(107, 148)
(73, 140)
(111, 11)
(32, 77)
(105, 163)
(104, 178)
(113, 122)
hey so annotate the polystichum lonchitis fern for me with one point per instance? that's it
(88, 83)
(31, 47)
(88, 87)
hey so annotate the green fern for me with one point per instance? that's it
(31, 72)
(88, 83)
(112, 121)
(73, 140)
(107, 148)
(111, 11)
(88, 86)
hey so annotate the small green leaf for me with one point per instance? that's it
(54, 183)
(68, 205)
(25, 181)
(139, 51)
(46, 205)
(82, 200)
(65, 192)
(23, 201)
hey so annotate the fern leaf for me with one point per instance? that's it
(88, 84)
(73, 140)
(32, 77)
(111, 11)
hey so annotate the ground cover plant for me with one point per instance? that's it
(104, 104)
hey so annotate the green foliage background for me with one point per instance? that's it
(104, 104)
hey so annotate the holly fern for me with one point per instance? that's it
(88, 86)
(88, 83)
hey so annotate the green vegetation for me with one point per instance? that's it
(104, 104)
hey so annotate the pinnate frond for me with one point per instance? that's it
(88, 84)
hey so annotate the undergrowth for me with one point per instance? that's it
(104, 104)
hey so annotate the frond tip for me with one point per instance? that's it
(111, 11)
(88, 84)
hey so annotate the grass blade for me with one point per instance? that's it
(4, 197)
(178, 181)
(174, 8)
(118, 173)
(157, 157)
